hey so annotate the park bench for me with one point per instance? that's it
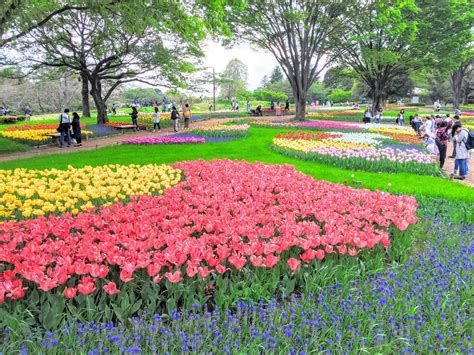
(56, 136)
(122, 128)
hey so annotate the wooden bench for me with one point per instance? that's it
(124, 127)
(57, 136)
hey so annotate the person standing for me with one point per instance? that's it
(462, 154)
(287, 105)
(378, 116)
(156, 119)
(186, 115)
(272, 105)
(442, 142)
(248, 106)
(163, 106)
(401, 118)
(367, 116)
(64, 128)
(76, 128)
(278, 109)
(175, 118)
(134, 115)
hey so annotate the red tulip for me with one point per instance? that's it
(294, 264)
(111, 288)
(174, 277)
(86, 285)
(70, 292)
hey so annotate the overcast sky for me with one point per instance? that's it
(259, 62)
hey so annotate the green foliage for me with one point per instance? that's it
(233, 81)
(147, 94)
(340, 95)
(269, 95)
(276, 75)
(339, 78)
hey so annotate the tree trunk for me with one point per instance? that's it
(377, 100)
(456, 81)
(86, 109)
(300, 101)
(96, 93)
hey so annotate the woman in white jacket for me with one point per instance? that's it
(462, 154)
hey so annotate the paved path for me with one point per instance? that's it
(97, 143)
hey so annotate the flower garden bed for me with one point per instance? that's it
(359, 151)
(163, 140)
(33, 134)
(221, 130)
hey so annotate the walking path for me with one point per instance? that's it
(117, 139)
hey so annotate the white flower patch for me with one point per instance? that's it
(364, 138)
(382, 125)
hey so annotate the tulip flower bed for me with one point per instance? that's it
(330, 126)
(163, 140)
(394, 131)
(220, 130)
(124, 123)
(33, 136)
(198, 229)
(148, 117)
(30, 193)
(34, 127)
(421, 306)
(356, 151)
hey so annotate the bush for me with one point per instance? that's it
(269, 95)
(340, 95)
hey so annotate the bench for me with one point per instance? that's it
(124, 127)
(56, 136)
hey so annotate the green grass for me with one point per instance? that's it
(9, 146)
(254, 148)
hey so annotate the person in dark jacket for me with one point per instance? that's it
(175, 118)
(134, 115)
(76, 128)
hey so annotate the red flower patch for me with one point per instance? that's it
(225, 215)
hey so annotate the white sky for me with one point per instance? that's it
(259, 62)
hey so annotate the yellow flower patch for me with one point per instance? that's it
(28, 193)
(393, 131)
(307, 145)
(36, 135)
(148, 117)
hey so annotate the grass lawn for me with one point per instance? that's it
(9, 146)
(253, 148)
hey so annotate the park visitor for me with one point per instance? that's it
(401, 118)
(175, 118)
(186, 115)
(378, 116)
(163, 106)
(442, 141)
(430, 144)
(272, 105)
(462, 153)
(156, 119)
(416, 123)
(287, 105)
(367, 116)
(134, 115)
(457, 112)
(278, 109)
(258, 110)
(210, 107)
(64, 128)
(248, 106)
(454, 128)
(76, 128)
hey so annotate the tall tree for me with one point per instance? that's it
(298, 33)
(276, 75)
(109, 51)
(389, 37)
(233, 81)
(460, 80)
(339, 78)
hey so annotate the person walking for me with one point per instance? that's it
(76, 128)
(186, 115)
(456, 124)
(462, 153)
(134, 115)
(175, 118)
(442, 142)
(278, 109)
(156, 119)
(64, 128)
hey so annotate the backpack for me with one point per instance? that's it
(469, 143)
